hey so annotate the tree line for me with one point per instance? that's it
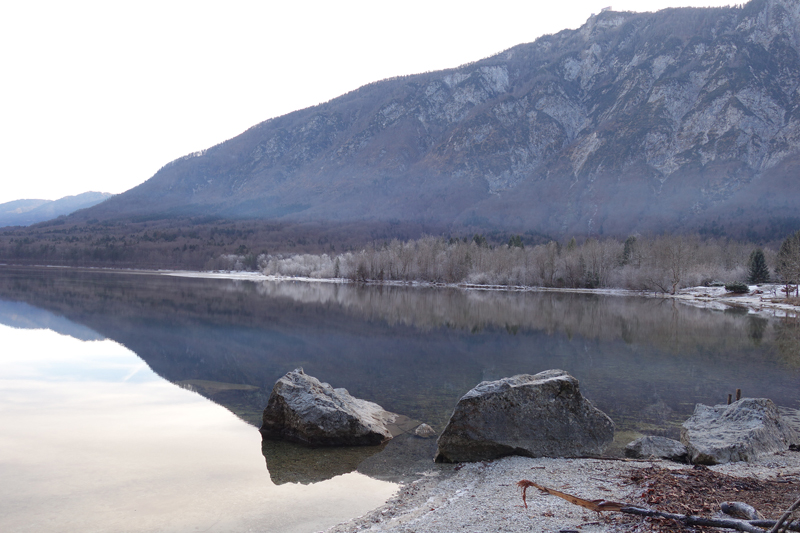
(663, 263)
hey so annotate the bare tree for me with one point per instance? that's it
(546, 258)
(789, 262)
(667, 261)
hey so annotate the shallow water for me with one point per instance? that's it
(93, 440)
(106, 380)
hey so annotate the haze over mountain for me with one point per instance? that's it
(674, 120)
(27, 212)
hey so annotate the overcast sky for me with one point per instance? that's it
(97, 96)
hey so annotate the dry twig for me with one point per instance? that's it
(784, 521)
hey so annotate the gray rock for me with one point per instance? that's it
(425, 431)
(543, 415)
(653, 446)
(742, 431)
(301, 409)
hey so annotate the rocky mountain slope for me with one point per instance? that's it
(677, 120)
(27, 212)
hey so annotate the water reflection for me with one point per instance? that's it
(787, 341)
(403, 458)
(109, 446)
(414, 351)
(608, 318)
(23, 316)
(293, 463)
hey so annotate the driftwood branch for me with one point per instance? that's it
(691, 520)
(784, 522)
(748, 526)
(593, 505)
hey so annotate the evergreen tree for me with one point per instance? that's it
(627, 251)
(480, 240)
(572, 244)
(758, 271)
(516, 240)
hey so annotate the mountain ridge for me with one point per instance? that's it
(32, 211)
(665, 121)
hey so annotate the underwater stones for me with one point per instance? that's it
(304, 410)
(424, 431)
(742, 431)
(542, 415)
(660, 447)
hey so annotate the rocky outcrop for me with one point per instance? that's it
(742, 431)
(654, 446)
(302, 409)
(633, 121)
(542, 415)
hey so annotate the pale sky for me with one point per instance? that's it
(98, 95)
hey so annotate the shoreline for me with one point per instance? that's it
(762, 299)
(484, 497)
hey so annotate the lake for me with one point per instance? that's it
(131, 401)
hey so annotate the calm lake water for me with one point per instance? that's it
(131, 401)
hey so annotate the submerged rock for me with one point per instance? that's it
(542, 415)
(742, 431)
(653, 446)
(424, 431)
(302, 409)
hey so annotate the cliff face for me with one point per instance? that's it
(634, 122)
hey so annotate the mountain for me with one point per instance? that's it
(678, 120)
(27, 212)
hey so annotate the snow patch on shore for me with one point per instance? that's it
(762, 300)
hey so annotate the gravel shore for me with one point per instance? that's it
(484, 497)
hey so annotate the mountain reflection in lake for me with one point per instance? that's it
(644, 361)
(94, 441)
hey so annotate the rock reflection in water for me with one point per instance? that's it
(398, 460)
(294, 463)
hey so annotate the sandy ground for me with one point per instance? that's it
(484, 497)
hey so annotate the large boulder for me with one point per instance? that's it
(301, 409)
(742, 431)
(542, 415)
(654, 446)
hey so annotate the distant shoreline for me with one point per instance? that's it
(762, 300)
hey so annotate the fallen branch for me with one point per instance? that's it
(691, 520)
(748, 526)
(593, 505)
(784, 522)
